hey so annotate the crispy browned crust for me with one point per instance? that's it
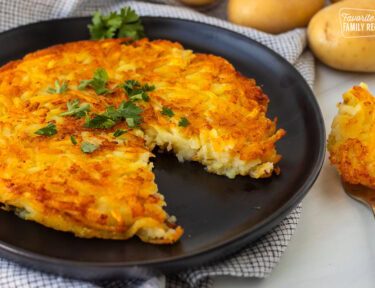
(352, 140)
(111, 193)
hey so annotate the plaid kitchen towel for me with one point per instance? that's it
(255, 260)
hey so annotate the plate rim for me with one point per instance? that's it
(247, 236)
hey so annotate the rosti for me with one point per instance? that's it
(201, 108)
(351, 143)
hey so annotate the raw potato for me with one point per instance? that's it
(197, 2)
(328, 44)
(273, 16)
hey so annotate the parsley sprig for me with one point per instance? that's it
(128, 111)
(59, 89)
(48, 131)
(124, 25)
(76, 110)
(98, 82)
(136, 91)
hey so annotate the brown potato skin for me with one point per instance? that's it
(273, 16)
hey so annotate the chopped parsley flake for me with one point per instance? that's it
(99, 121)
(48, 131)
(129, 85)
(75, 110)
(98, 82)
(183, 122)
(74, 141)
(167, 112)
(88, 147)
(130, 122)
(127, 110)
(119, 132)
(59, 89)
(136, 91)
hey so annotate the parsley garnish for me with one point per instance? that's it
(135, 91)
(88, 147)
(126, 25)
(131, 112)
(167, 112)
(119, 132)
(98, 82)
(59, 89)
(48, 131)
(129, 85)
(183, 122)
(74, 141)
(99, 121)
(131, 123)
(75, 110)
(127, 110)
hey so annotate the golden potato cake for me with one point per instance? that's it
(76, 131)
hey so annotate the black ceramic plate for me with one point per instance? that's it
(219, 215)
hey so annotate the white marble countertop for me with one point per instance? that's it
(334, 243)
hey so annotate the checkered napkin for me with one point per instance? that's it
(255, 260)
